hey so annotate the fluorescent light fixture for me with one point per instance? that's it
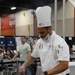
(72, 2)
(13, 8)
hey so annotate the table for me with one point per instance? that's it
(7, 62)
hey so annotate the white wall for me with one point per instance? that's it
(23, 19)
(69, 15)
(69, 11)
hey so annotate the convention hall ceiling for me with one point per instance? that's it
(5, 5)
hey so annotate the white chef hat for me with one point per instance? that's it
(43, 15)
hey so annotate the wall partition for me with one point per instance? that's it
(8, 25)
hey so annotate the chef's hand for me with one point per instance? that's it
(21, 70)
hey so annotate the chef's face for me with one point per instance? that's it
(43, 31)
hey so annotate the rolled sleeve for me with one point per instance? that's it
(35, 53)
(28, 48)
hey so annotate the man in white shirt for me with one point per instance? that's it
(51, 48)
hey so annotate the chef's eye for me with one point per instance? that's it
(41, 32)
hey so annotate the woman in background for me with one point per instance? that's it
(9, 54)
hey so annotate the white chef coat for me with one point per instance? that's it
(51, 51)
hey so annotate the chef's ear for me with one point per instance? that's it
(50, 30)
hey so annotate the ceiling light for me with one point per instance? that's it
(72, 2)
(13, 8)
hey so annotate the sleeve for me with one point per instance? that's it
(18, 48)
(28, 48)
(35, 53)
(63, 52)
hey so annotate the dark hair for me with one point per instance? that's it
(24, 36)
(9, 49)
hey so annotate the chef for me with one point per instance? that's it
(51, 48)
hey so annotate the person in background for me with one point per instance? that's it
(24, 51)
(51, 48)
(73, 47)
(2, 51)
(34, 43)
(9, 54)
(35, 62)
(3, 47)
